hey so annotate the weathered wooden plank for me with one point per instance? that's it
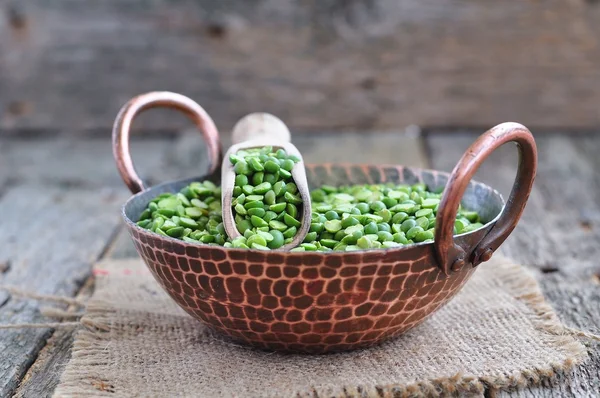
(51, 237)
(60, 216)
(43, 376)
(326, 64)
(557, 237)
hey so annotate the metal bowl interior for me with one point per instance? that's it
(311, 302)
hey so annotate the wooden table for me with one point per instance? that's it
(60, 197)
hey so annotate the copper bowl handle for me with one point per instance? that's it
(452, 257)
(135, 106)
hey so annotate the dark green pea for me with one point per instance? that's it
(287, 164)
(377, 205)
(270, 197)
(400, 237)
(423, 236)
(333, 226)
(412, 233)
(291, 188)
(408, 224)
(187, 222)
(166, 212)
(295, 199)
(259, 240)
(290, 232)
(316, 227)
(431, 223)
(280, 154)
(423, 222)
(285, 174)
(157, 223)
(193, 212)
(339, 235)
(237, 191)
(248, 189)
(145, 214)
(262, 189)
(419, 187)
(270, 215)
(364, 243)
(277, 225)
(258, 222)
(207, 239)
(423, 213)
(332, 215)
(258, 178)
(152, 206)
(328, 242)
(385, 215)
(233, 158)
(326, 235)
(407, 207)
(270, 178)
(278, 207)
(398, 218)
(349, 221)
(221, 228)
(310, 237)
(271, 166)
(352, 238)
(472, 216)
(363, 207)
(241, 167)
(279, 188)
(258, 212)
(291, 221)
(384, 227)
(318, 195)
(255, 164)
(292, 210)
(384, 236)
(355, 212)
(254, 204)
(144, 223)
(277, 241)
(389, 202)
(240, 209)
(371, 228)
(309, 247)
(460, 225)
(175, 232)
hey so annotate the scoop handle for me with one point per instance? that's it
(261, 127)
(137, 105)
(451, 257)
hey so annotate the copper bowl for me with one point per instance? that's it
(321, 302)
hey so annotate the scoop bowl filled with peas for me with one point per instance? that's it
(386, 245)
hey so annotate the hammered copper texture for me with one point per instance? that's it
(311, 302)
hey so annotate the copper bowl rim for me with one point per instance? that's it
(133, 225)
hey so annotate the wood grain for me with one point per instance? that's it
(557, 237)
(326, 64)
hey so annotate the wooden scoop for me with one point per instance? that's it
(257, 130)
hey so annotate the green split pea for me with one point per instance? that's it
(347, 218)
(267, 205)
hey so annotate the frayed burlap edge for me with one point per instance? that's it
(88, 350)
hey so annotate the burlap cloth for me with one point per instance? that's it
(497, 333)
